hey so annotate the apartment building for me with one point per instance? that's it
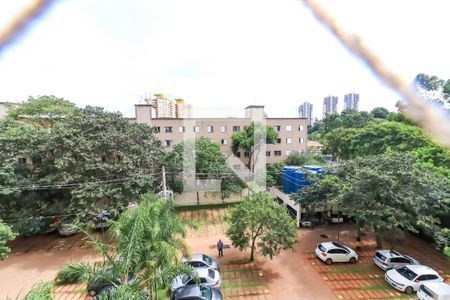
(306, 111)
(351, 101)
(330, 106)
(182, 109)
(162, 107)
(292, 131)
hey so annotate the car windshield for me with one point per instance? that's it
(185, 278)
(322, 248)
(380, 256)
(211, 274)
(207, 259)
(407, 273)
(206, 293)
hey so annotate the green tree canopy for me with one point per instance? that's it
(251, 139)
(259, 221)
(387, 193)
(6, 234)
(379, 113)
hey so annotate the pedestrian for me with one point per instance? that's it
(220, 247)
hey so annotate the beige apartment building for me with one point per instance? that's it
(292, 131)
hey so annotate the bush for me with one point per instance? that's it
(41, 291)
(6, 234)
(71, 273)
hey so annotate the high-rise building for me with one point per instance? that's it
(182, 109)
(330, 104)
(351, 101)
(163, 107)
(306, 111)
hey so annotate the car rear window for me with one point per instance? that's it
(322, 248)
(207, 259)
(211, 274)
(380, 256)
(407, 273)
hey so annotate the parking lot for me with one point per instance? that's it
(364, 280)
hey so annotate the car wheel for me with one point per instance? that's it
(329, 261)
(352, 260)
(409, 290)
(92, 293)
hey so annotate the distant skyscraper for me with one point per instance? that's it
(168, 108)
(306, 111)
(330, 104)
(351, 101)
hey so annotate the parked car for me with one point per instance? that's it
(409, 278)
(305, 223)
(101, 220)
(434, 291)
(390, 259)
(198, 260)
(196, 292)
(67, 227)
(207, 277)
(336, 218)
(102, 281)
(331, 252)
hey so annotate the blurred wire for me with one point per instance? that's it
(429, 117)
(21, 21)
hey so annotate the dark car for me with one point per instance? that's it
(105, 280)
(196, 292)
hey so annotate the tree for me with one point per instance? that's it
(338, 141)
(251, 139)
(273, 172)
(387, 193)
(147, 242)
(431, 87)
(379, 113)
(259, 221)
(210, 162)
(89, 158)
(298, 158)
(43, 111)
(6, 234)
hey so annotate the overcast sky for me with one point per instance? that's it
(219, 55)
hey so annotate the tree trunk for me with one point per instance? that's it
(253, 249)
(378, 238)
(358, 235)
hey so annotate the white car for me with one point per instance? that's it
(207, 276)
(198, 260)
(434, 291)
(331, 252)
(409, 278)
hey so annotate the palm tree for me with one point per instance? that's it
(147, 242)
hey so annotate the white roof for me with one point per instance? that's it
(440, 288)
(203, 272)
(420, 269)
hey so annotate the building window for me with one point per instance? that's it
(288, 141)
(168, 143)
(224, 142)
(238, 154)
(301, 140)
(223, 128)
(277, 153)
(157, 129)
(288, 152)
(277, 128)
(301, 128)
(196, 129)
(267, 153)
(181, 129)
(210, 129)
(236, 128)
(168, 129)
(22, 160)
(246, 154)
(278, 141)
(288, 128)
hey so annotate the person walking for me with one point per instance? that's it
(220, 247)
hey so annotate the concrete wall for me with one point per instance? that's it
(206, 198)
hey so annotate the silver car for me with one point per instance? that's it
(198, 260)
(390, 259)
(195, 292)
(208, 277)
